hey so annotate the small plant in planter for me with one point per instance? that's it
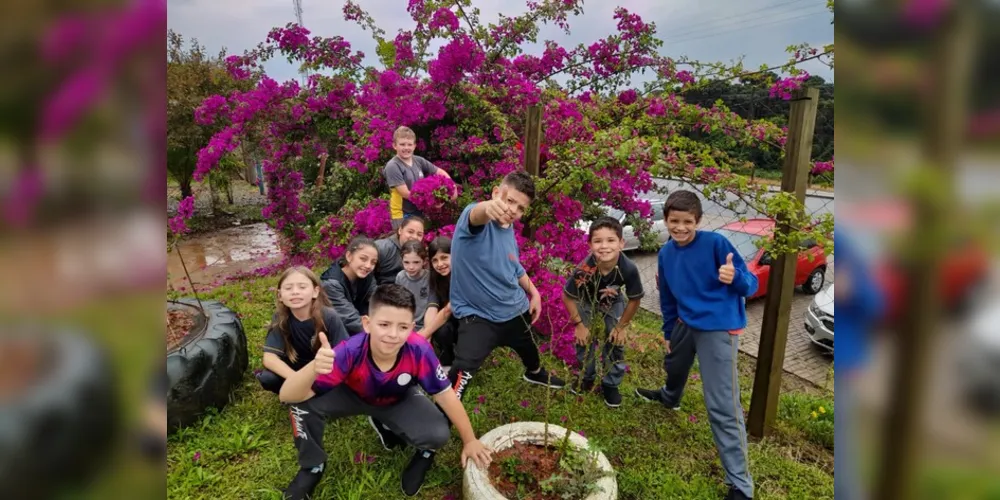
(544, 461)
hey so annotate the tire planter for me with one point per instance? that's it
(476, 482)
(58, 428)
(207, 365)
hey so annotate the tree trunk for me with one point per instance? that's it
(185, 187)
(322, 169)
(215, 196)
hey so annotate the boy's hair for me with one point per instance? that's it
(416, 247)
(392, 295)
(521, 180)
(403, 132)
(605, 222)
(683, 201)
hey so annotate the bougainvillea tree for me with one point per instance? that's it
(604, 141)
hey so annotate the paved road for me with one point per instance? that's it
(801, 357)
(817, 202)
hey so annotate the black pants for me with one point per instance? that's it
(269, 380)
(444, 340)
(477, 337)
(414, 418)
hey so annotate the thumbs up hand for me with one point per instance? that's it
(498, 210)
(323, 363)
(727, 271)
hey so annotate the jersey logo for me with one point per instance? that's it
(404, 379)
(441, 374)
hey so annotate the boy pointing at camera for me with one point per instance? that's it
(491, 295)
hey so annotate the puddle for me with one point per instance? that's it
(213, 256)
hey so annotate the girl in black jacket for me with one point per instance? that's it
(350, 283)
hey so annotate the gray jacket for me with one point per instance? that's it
(390, 260)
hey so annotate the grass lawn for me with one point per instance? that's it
(246, 450)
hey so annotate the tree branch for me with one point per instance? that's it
(742, 75)
(471, 28)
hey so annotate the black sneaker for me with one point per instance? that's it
(413, 474)
(542, 377)
(655, 396)
(304, 483)
(612, 397)
(388, 438)
(735, 494)
(582, 387)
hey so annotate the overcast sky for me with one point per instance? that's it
(705, 30)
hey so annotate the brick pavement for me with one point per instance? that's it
(802, 359)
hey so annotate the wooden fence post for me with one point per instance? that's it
(944, 132)
(778, 305)
(532, 149)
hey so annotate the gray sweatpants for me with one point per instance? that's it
(612, 356)
(717, 354)
(415, 419)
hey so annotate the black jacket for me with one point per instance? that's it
(349, 299)
(390, 260)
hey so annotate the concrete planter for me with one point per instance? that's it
(476, 482)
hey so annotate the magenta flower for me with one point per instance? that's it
(481, 399)
(628, 97)
(196, 457)
(525, 403)
(692, 419)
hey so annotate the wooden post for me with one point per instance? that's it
(944, 132)
(778, 305)
(532, 149)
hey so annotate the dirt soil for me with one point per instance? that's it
(538, 462)
(179, 323)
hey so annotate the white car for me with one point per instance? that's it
(819, 319)
(658, 228)
(979, 361)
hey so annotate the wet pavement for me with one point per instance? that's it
(211, 257)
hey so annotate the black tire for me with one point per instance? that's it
(57, 431)
(207, 366)
(815, 281)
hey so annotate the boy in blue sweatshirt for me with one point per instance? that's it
(703, 284)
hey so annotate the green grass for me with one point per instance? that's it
(246, 451)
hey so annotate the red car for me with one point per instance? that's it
(810, 270)
(964, 267)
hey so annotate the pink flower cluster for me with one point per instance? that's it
(185, 210)
(433, 196)
(822, 167)
(444, 21)
(458, 57)
(446, 231)
(373, 220)
(784, 87)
